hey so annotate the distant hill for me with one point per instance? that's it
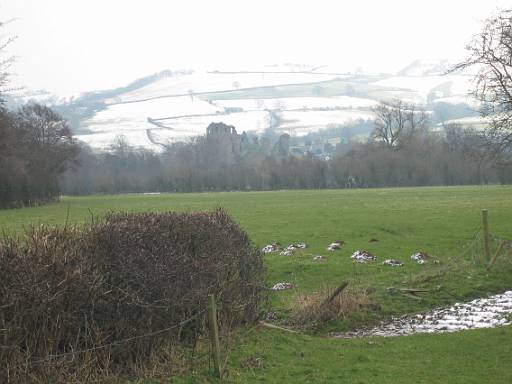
(174, 105)
(425, 68)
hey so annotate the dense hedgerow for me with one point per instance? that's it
(70, 297)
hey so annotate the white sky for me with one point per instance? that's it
(69, 46)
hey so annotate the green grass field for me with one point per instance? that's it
(442, 221)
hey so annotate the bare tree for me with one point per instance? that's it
(5, 61)
(47, 146)
(397, 122)
(120, 145)
(490, 52)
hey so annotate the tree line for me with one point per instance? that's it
(452, 155)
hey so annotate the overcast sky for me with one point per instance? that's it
(70, 46)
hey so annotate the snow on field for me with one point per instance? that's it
(200, 82)
(298, 103)
(103, 131)
(152, 114)
(301, 123)
(131, 120)
(336, 68)
(438, 86)
(408, 96)
(426, 67)
(103, 140)
(255, 121)
(136, 114)
(470, 101)
(490, 312)
(476, 122)
(256, 67)
(294, 122)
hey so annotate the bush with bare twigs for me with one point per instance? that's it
(122, 296)
(312, 310)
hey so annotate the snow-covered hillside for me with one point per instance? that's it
(198, 83)
(426, 68)
(175, 106)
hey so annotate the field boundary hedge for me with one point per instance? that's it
(122, 295)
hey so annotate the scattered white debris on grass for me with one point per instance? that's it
(363, 256)
(282, 286)
(335, 245)
(293, 247)
(274, 247)
(489, 312)
(359, 256)
(393, 263)
(288, 251)
(420, 257)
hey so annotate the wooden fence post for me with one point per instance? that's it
(335, 293)
(485, 226)
(214, 335)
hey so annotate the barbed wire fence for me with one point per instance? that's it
(482, 249)
(48, 358)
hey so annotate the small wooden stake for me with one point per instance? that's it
(214, 335)
(485, 226)
(500, 247)
(336, 292)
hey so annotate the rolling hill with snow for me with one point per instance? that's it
(174, 106)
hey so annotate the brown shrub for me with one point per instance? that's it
(76, 304)
(313, 310)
